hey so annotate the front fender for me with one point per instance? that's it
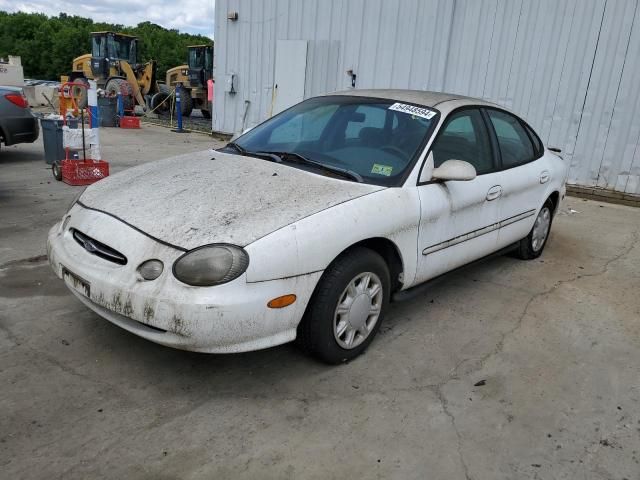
(312, 243)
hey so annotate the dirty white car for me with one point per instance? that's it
(304, 227)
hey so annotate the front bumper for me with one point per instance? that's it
(233, 317)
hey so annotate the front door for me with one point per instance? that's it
(459, 219)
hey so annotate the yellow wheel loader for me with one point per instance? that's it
(113, 64)
(192, 79)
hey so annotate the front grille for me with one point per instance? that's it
(98, 249)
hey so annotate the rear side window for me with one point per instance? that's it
(514, 142)
(537, 144)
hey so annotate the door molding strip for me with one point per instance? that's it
(476, 233)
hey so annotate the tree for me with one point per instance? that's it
(48, 45)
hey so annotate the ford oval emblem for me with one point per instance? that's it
(90, 246)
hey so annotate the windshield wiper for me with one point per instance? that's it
(263, 155)
(345, 173)
(235, 146)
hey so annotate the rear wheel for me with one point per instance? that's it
(532, 245)
(120, 85)
(347, 308)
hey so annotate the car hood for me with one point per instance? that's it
(213, 197)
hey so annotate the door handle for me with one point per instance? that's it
(494, 192)
(544, 176)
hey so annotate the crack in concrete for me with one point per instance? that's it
(500, 345)
(24, 261)
(65, 368)
(437, 390)
(453, 374)
(12, 337)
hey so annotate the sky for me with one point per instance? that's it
(191, 16)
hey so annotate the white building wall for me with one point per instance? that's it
(570, 67)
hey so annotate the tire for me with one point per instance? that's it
(156, 103)
(319, 332)
(120, 85)
(186, 102)
(206, 114)
(533, 244)
(81, 94)
(56, 169)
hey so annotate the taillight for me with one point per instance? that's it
(17, 99)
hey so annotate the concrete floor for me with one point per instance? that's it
(554, 343)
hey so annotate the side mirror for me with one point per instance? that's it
(454, 170)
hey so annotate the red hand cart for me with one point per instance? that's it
(77, 171)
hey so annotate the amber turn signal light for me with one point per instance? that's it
(283, 301)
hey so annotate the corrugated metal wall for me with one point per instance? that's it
(570, 67)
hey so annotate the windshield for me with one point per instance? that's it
(196, 57)
(375, 138)
(98, 47)
(122, 48)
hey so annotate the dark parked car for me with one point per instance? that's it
(17, 123)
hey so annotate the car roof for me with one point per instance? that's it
(418, 97)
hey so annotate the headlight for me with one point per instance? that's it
(211, 265)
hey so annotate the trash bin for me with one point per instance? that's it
(108, 111)
(52, 138)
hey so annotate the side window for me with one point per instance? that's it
(464, 137)
(515, 146)
(303, 128)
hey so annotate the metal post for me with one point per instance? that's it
(92, 97)
(178, 110)
(120, 105)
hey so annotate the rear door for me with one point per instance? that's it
(524, 174)
(459, 219)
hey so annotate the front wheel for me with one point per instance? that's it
(532, 245)
(56, 170)
(347, 308)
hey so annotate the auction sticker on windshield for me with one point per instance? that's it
(413, 110)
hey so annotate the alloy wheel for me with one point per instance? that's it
(541, 229)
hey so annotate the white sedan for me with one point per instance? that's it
(307, 225)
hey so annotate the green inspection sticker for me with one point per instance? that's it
(381, 169)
